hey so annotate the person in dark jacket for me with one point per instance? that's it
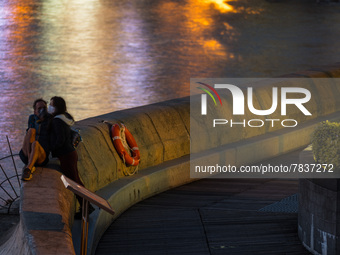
(61, 143)
(60, 139)
(35, 149)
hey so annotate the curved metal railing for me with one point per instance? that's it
(10, 184)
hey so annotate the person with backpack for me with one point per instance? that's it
(61, 142)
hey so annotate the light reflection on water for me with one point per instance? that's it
(105, 55)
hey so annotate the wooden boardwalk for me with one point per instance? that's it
(210, 216)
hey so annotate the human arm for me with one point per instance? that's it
(31, 122)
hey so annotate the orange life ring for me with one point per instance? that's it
(117, 142)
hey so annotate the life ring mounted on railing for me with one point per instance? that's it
(134, 158)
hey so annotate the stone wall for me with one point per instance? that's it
(319, 214)
(162, 130)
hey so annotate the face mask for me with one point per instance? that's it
(51, 109)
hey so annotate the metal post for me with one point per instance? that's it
(84, 227)
(88, 197)
(15, 166)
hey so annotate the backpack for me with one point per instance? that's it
(75, 137)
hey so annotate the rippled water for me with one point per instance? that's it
(105, 55)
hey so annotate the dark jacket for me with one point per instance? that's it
(41, 127)
(60, 138)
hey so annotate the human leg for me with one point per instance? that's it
(28, 140)
(69, 166)
(37, 155)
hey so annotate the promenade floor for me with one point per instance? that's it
(8, 222)
(212, 216)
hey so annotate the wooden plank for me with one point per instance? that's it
(208, 217)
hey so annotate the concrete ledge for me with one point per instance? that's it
(46, 217)
(161, 131)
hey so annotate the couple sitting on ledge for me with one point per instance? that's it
(49, 130)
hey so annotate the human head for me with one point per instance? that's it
(38, 105)
(59, 105)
